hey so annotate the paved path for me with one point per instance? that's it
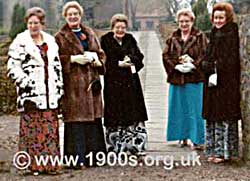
(155, 89)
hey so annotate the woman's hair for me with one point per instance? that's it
(224, 6)
(185, 12)
(72, 4)
(35, 11)
(118, 18)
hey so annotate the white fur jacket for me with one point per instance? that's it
(27, 68)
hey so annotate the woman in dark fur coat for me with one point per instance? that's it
(221, 107)
(124, 107)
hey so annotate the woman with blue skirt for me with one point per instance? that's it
(182, 58)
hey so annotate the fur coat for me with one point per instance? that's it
(79, 103)
(26, 68)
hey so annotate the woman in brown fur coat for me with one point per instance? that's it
(82, 62)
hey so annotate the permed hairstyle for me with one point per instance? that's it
(118, 18)
(35, 11)
(72, 4)
(185, 12)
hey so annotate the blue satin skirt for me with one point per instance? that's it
(185, 113)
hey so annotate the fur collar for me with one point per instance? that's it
(194, 32)
(176, 36)
(227, 30)
(67, 33)
(24, 39)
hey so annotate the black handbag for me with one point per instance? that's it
(95, 86)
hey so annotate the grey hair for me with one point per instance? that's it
(72, 4)
(185, 12)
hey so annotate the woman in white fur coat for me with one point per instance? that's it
(35, 68)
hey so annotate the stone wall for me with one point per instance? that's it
(244, 22)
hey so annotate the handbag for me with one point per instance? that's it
(95, 86)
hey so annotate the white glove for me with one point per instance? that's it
(127, 59)
(125, 63)
(94, 57)
(189, 65)
(212, 80)
(181, 68)
(186, 58)
(81, 59)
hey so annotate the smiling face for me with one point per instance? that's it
(219, 19)
(73, 18)
(119, 29)
(34, 26)
(185, 23)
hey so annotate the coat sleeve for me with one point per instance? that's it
(232, 56)
(208, 62)
(64, 57)
(136, 56)
(202, 44)
(101, 55)
(169, 59)
(111, 64)
(14, 66)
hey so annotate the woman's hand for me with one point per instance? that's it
(189, 65)
(183, 69)
(126, 62)
(186, 59)
(80, 59)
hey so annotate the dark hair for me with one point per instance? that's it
(35, 11)
(227, 7)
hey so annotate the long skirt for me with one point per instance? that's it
(222, 139)
(130, 139)
(185, 113)
(82, 138)
(38, 135)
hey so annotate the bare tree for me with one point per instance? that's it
(130, 10)
(133, 6)
(171, 6)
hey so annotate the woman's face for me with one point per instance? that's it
(73, 18)
(119, 29)
(219, 19)
(185, 23)
(34, 25)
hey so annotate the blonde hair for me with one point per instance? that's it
(35, 11)
(118, 18)
(185, 12)
(72, 4)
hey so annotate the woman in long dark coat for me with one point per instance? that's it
(124, 107)
(82, 103)
(221, 107)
